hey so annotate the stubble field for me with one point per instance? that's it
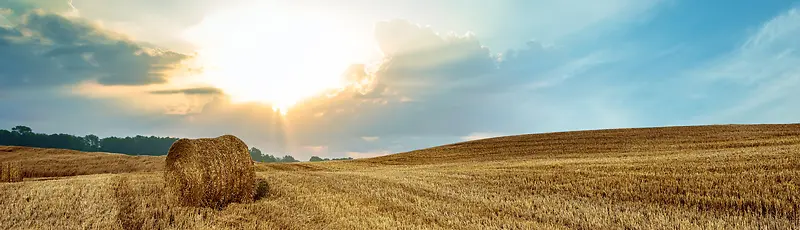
(700, 177)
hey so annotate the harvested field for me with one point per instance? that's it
(43, 162)
(703, 177)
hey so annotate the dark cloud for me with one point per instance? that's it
(57, 50)
(191, 91)
(58, 6)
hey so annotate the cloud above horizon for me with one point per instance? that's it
(189, 91)
(625, 64)
(765, 70)
(43, 49)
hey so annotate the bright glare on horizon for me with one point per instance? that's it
(274, 56)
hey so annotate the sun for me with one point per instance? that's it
(273, 56)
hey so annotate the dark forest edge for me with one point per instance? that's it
(137, 145)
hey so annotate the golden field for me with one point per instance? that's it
(698, 177)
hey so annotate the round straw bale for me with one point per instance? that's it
(210, 172)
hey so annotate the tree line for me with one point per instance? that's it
(138, 145)
(257, 155)
(318, 159)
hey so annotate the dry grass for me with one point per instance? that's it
(41, 162)
(651, 141)
(716, 177)
(210, 172)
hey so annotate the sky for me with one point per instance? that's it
(363, 78)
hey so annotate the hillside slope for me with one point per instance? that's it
(45, 162)
(618, 141)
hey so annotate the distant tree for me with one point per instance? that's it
(270, 158)
(6, 137)
(22, 129)
(256, 155)
(260, 156)
(138, 145)
(288, 158)
(92, 141)
(317, 159)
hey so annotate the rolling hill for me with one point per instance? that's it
(694, 177)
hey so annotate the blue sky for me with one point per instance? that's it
(363, 78)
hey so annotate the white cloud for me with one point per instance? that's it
(370, 139)
(572, 68)
(317, 149)
(767, 65)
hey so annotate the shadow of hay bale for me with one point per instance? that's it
(210, 172)
(262, 189)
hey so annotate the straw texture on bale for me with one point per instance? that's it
(10, 171)
(210, 172)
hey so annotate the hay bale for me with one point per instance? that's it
(11, 171)
(210, 172)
